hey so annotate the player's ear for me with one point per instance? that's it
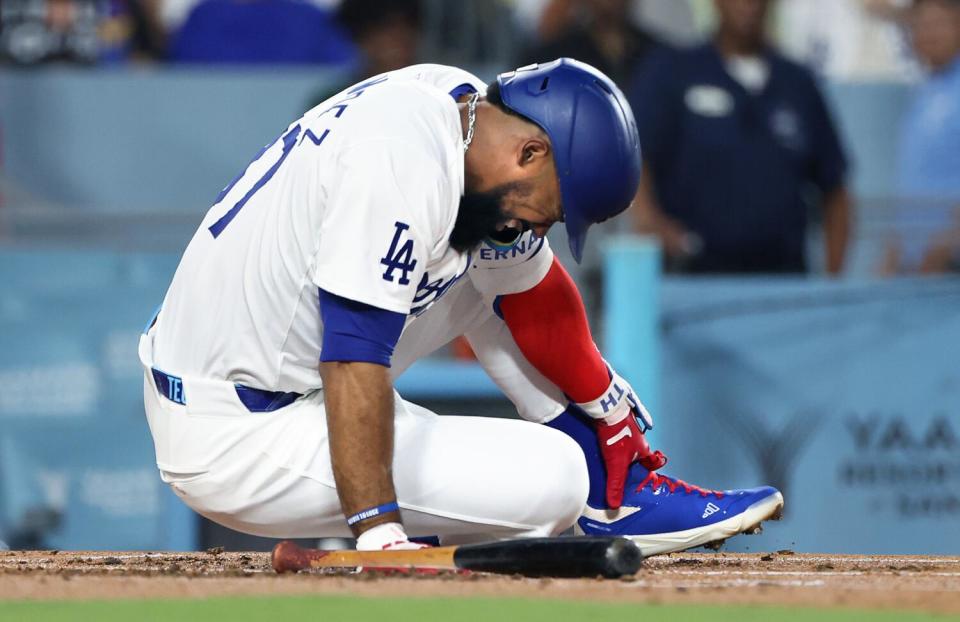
(533, 151)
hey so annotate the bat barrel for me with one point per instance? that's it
(553, 557)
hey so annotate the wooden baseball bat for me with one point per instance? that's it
(569, 557)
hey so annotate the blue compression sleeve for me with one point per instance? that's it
(357, 332)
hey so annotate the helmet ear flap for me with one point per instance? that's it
(593, 135)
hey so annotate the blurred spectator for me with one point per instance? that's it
(847, 39)
(671, 20)
(261, 32)
(173, 13)
(78, 31)
(735, 137)
(386, 31)
(928, 178)
(131, 29)
(387, 34)
(598, 32)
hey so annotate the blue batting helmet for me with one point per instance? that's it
(593, 134)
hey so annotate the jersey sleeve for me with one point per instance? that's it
(509, 268)
(356, 332)
(378, 226)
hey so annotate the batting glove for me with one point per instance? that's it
(616, 402)
(621, 444)
(386, 537)
(619, 415)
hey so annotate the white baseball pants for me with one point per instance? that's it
(462, 478)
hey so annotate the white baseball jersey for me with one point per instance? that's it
(358, 197)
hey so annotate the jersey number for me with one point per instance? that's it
(289, 142)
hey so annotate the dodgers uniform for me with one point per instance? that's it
(357, 198)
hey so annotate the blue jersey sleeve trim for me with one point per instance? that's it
(357, 332)
(463, 89)
(496, 306)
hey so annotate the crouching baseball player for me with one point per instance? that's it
(401, 213)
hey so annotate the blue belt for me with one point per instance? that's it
(256, 400)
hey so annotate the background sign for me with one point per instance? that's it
(845, 396)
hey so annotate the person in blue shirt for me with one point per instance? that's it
(261, 32)
(928, 172)
(737, 143)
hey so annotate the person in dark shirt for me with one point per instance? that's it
(387, 34)
(737, 141)
(605, 37)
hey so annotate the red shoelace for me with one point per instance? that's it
(655, 481)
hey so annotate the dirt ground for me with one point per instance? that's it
(783, 578)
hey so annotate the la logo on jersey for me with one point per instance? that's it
(400, 256)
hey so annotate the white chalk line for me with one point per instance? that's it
(811, 573)
(805, 558)
(724, 584)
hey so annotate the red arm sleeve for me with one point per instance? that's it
(549, 324)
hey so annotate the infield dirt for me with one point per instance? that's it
(875, 582)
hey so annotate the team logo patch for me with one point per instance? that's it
(709, 101)
(400, 255)
(431, 290)
(786, 126)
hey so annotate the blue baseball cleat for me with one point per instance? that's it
(662, 514)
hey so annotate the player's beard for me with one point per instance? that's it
(479, 215)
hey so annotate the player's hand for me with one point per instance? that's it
(405, 545)
(621, 444)
(387, 537)
(621, 419)
(616, 402)
(638, 409)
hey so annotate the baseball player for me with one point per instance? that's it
(399, 214)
